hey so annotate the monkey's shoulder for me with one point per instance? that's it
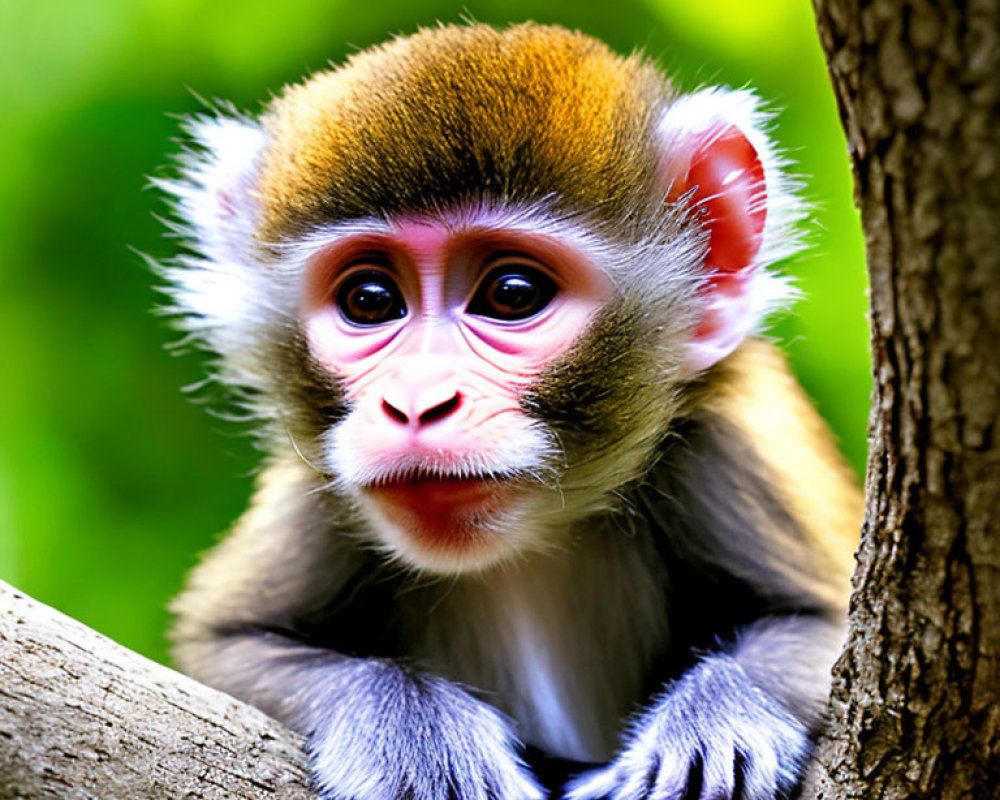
(759, 471)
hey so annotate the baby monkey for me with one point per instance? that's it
(535, 493)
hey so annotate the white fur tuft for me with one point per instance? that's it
(215, 194)
(223, 295)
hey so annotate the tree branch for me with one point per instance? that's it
(82, 717)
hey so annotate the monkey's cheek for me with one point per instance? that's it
(450, 526)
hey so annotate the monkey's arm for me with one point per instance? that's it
(756, 516)
(251, 623)
(739, 722)
(736, 725)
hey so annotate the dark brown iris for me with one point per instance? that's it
(370, 298)
(512, 292)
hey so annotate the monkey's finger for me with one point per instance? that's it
(719, 775)
(761, 775)
(678, 776)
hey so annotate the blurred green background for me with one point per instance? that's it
(111, 479)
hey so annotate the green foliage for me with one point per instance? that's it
(111, 481)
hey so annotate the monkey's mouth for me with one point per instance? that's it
(443, 509)
(439, 491)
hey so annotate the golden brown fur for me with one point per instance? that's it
(762, 397)
(457, 111)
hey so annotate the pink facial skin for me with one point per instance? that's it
(436, 425)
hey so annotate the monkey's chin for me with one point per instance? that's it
(450, 525)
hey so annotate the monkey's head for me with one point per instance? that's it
(471, 273)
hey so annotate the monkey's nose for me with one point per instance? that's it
(423, 405)
(426, 416)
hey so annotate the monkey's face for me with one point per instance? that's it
(512, 363)
(435, 327)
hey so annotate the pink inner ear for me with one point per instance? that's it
(724, 175)
(729, 192)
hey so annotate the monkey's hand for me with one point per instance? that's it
(394, 733)
(713, 735)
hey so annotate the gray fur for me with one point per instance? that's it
(517, 635)
(711, 729)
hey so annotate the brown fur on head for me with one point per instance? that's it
(451, 113)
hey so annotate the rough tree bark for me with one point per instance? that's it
(916, 700)
(82, 718)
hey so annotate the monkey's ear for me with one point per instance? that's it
(217, 294)
(214, 196)
(719, 165)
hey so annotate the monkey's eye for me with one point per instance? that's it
(370, 297)
(513, 290)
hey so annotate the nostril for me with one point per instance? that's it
(441, 410)
(394, 412)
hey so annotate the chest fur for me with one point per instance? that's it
(562, 643)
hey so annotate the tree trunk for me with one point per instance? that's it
(916, 700)
(82, 718)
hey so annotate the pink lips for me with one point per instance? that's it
(448, 512)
